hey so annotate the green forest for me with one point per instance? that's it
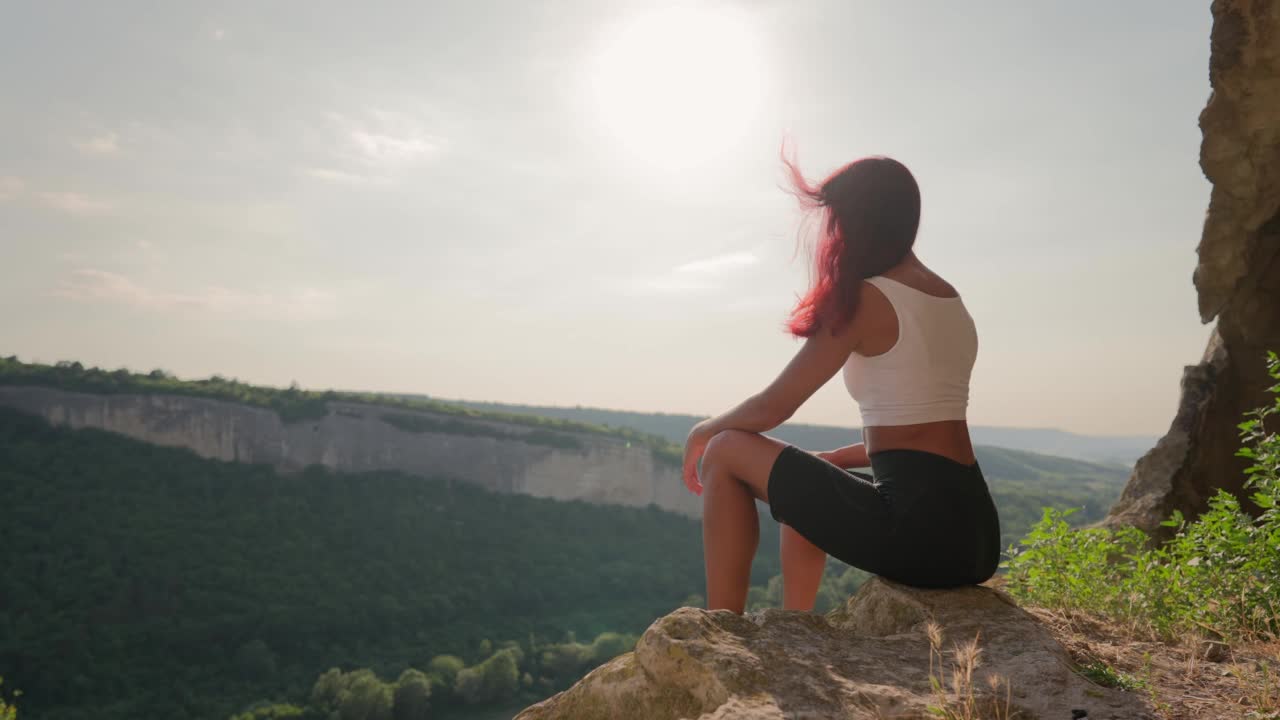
(143, 581)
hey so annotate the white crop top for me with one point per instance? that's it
(924, 377)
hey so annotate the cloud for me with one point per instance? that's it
(692, 277)
(10, 187)
(342, 177)
(13, 188)
(370, 149)
(74, 203)
(105, 144)
(383, 138)
(385, 148)
(718, 265)
(100, 286)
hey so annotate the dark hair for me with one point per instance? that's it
(870, 214)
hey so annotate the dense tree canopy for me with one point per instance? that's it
(146, 582)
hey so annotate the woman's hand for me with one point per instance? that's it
(694, 446)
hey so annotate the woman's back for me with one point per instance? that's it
(910, 373)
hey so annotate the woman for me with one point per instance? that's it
(907, 346)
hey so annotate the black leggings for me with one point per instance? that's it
(922, 520)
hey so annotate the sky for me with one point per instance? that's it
(579, 202)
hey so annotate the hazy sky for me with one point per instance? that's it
(577, 202)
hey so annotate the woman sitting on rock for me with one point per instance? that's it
(906, 345)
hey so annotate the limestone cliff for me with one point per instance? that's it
(355, 437)
(1238, 275)
(870, 659)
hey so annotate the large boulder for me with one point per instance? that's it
(870, 659)
(1237, 278)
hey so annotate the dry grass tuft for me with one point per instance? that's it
(965, 701)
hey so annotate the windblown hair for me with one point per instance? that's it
(870, 212)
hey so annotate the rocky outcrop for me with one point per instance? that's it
(1237, 277)
(870, 659)
(355, 437)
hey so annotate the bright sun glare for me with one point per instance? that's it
(679, 86)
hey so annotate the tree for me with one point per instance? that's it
(256, 660)
(366, 698)
(328, 689)
(469, 686)
(497, 678)
(271, 711)
(7, 711)
(564, 660)
(412, 695)
(609, 645)
(501, 675)
(515, 649)
(444, 670)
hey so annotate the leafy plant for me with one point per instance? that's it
(1107, 676)
(7, 710)
(1219, 574)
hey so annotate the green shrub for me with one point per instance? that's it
(7, 710)
(1220, 574)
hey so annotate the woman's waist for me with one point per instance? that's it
(946, 438)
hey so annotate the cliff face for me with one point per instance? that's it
(354, 437)
(1237, 277)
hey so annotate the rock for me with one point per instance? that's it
(1237, 277)
(1214, 650)
(868, 659)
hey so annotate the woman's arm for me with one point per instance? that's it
(850, 456)
(817, 361)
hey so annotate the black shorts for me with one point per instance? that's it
(922, 519)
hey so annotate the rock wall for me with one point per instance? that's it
(1237, 277)
(354, 437)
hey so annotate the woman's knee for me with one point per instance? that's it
(721, 446)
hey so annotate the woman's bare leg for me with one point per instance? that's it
(802, 566)
(730, 534)
(735, 472)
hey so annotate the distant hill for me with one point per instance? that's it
(565, 453)
(1105, 449)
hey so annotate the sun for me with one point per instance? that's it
(680, 86)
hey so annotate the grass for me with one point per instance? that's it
(961, 698)
(1177, 680)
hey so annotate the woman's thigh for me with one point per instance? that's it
(845, 515)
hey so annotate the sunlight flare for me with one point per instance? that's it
(680, 86)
